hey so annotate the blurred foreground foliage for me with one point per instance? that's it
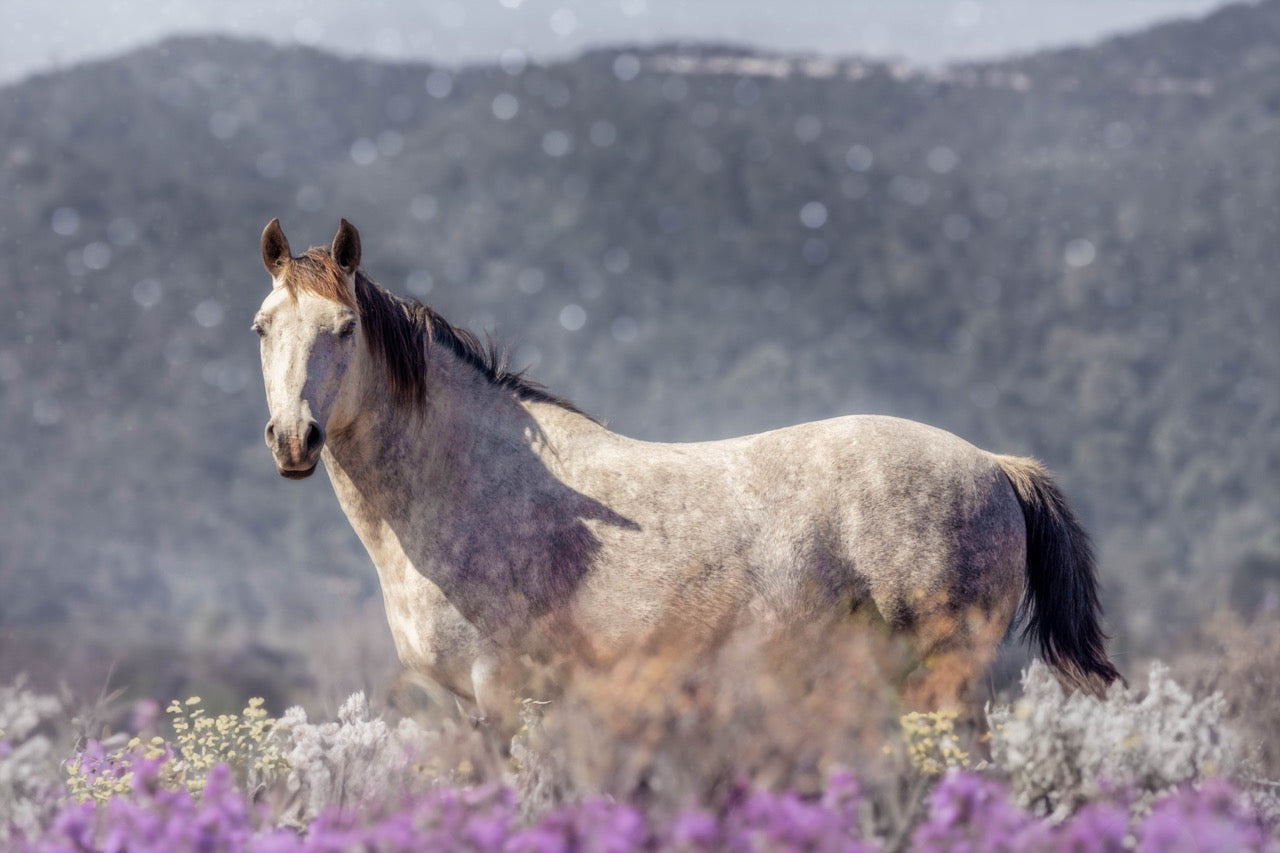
(706, 758)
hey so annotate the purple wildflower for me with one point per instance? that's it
(1096, 828)
(596, 824)
(1213, 817)
(695, 829)
(968, 812)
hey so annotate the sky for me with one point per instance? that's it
(48, 34)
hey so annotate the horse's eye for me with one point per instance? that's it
(259, 329)
(347, 330)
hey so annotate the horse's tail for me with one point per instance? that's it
(1060, 604)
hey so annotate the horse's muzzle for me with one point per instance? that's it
(296, 451)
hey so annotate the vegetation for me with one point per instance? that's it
(1064, 772)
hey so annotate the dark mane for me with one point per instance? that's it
(399, 332)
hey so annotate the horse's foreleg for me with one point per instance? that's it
(496, 684)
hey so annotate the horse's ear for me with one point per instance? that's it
(275, 248)
(345, 250)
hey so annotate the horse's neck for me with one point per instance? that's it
(421, 487)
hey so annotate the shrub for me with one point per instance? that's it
(246, 742)
(1062, 750)
(29, 755)
(356, 763)
(933, 745)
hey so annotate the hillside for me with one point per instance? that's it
(1071, 254)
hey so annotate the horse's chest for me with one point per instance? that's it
(431, 636)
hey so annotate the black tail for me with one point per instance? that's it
(1061, 601)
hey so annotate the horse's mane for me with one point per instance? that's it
(399, 332)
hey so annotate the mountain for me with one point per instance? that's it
(1072, 254)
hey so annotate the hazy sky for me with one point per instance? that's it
(38, 35)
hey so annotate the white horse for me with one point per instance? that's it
(511, 532)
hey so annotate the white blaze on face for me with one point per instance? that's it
(307, 343)
(310, 337)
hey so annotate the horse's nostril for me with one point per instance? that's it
(315, 437)
(271, 431)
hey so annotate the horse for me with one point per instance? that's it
(512, 531)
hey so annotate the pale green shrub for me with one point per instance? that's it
(29, 757)
(356, 763)
(1063, 750)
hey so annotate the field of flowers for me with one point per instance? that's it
(1150, 768)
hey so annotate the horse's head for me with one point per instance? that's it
(309, 326)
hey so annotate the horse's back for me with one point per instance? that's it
(913, 519)
(873, 504)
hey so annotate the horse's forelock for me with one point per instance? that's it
(315, 271)
(396, 336)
